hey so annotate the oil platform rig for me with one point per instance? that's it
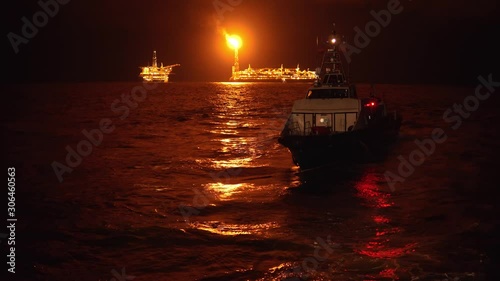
(153, 73)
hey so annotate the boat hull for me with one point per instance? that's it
(357, 146)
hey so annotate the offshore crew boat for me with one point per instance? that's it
(153, 73)
(331, 124)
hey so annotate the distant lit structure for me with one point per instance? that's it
(273, 74)
(264, 74)
(153, 73)
(234, 42)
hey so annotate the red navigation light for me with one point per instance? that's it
(370, 104)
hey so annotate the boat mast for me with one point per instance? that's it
(332, 69)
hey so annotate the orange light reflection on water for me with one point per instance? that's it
(225, 132)
(235, 149)
(232, 123)
(233, 83)
(224, 191)
(235, 229)
(233, 163)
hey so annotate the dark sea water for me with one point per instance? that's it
(191, 184)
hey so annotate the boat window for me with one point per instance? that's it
(327, 94)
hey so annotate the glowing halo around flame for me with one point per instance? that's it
(234, 41)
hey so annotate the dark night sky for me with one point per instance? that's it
(89, 40)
